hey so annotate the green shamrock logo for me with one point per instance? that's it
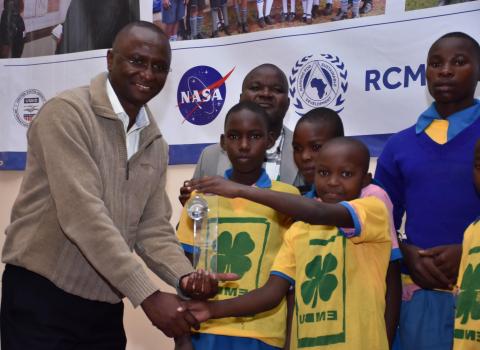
(320, 283)
(232, 256)
(469, 298)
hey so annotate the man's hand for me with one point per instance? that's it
(423, 269)
(216, 185)
(200, 309)
(203, 285)
(168, 313)
(446, 258)
(185, 192)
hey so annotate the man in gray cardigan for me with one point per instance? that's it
(94, 191)
(267, 86)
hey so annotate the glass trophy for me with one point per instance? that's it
(203, 210)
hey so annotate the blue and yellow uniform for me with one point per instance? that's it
(249, 237)
(339, 279)
(467, 316)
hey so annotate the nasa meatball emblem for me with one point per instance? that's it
(201, 94)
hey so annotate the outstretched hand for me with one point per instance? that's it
(203, 285)
(216, 185)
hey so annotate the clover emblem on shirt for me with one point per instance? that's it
(320, 283)
(232, 253)
(468, 303)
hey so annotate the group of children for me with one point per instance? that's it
(315, 270)
(187, 17)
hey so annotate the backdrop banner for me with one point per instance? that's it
(370, 69)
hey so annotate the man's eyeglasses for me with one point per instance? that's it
(142, 64)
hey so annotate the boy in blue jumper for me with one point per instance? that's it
(426, 170)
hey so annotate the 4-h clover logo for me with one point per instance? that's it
(321, 282)
(232, 256)
(469, 298)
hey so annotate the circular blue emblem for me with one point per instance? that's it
(201, 94)
(318, 81)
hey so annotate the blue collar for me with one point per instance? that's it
(457, 122)
(262, 182)
(312, 193)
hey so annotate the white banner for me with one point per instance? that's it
(370, 69)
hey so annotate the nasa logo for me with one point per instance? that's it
(27, 105)
(201, 94)
(318, 82)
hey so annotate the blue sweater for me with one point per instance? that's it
(432, 183)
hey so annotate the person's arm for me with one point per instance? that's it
(300, 208)
(393, 300)
(290, 309)
(254, 302)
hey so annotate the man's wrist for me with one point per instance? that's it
(178, 287)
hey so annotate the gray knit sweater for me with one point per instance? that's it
(83, 208)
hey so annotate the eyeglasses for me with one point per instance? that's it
(141, 64)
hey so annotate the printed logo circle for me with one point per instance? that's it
(27, 105)
(201, 94)
(318, 81)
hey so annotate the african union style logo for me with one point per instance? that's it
(318, 82)
(201, 94)
(27, 105)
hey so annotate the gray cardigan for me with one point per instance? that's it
(83, 208)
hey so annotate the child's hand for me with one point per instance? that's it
(166, 4)
(199, 309)
(447, 259)
(423, 269)
(202, 285)
(185, 192)
(216, 185)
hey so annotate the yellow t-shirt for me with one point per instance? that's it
(249, 237)
(339, 281)
(467, 316)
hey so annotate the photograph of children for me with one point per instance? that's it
(12, 28)
(31, 28)
(231, 17)
(423, 4)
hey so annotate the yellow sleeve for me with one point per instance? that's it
(284, 264)
(371, 219)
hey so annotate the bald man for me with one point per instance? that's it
(94, 191)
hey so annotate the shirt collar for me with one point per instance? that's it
(141, 121)
(457, 122)
(312, 193)
(276, 149)
(262, 182)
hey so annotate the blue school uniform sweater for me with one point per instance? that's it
(433, 183)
